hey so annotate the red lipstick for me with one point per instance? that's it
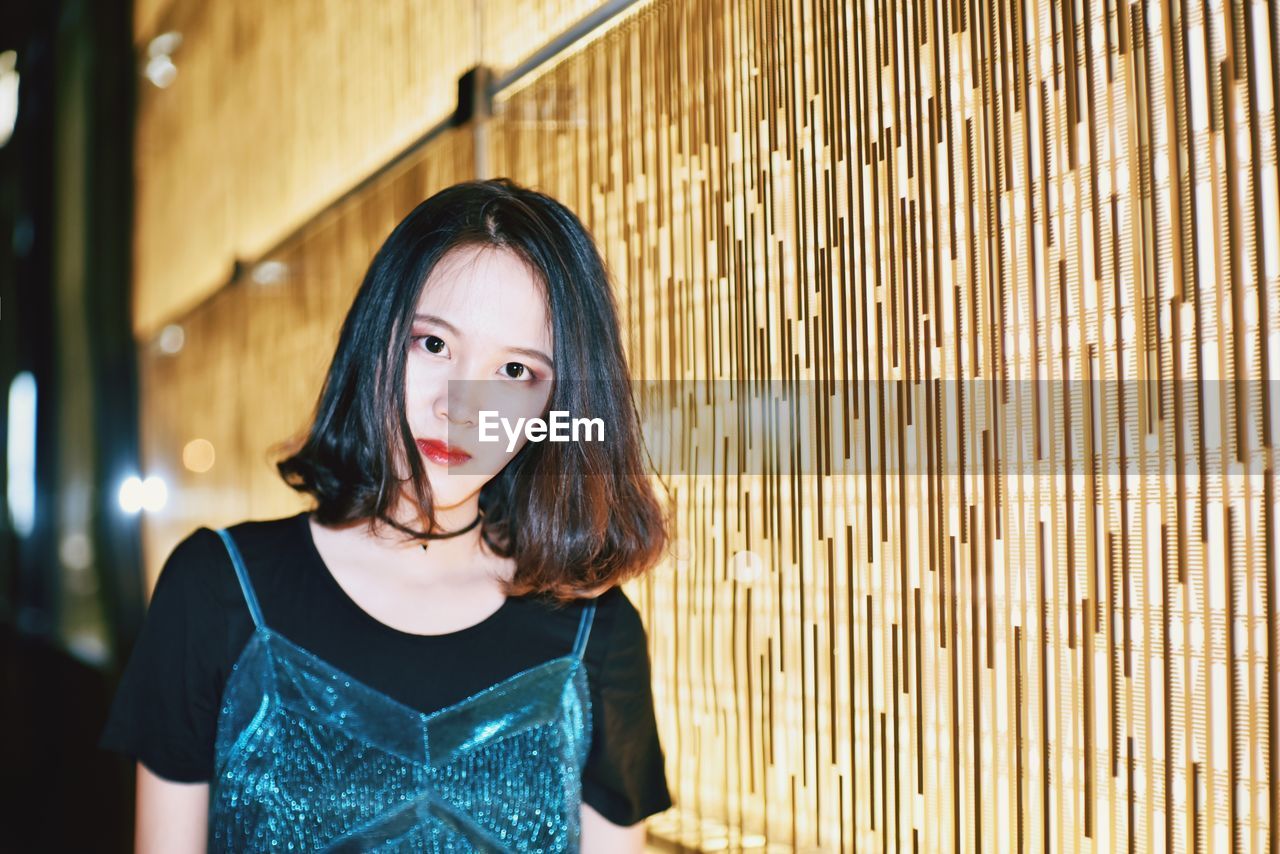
(441, 454)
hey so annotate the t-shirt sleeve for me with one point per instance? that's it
(625, 775)
(165, 710)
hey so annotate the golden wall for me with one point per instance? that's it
(278, 108)
(959, 321)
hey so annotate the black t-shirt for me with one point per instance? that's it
(166, 708)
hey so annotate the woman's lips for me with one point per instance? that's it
(441, 454)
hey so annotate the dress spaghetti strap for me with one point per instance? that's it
(243, 575)
(584, 629)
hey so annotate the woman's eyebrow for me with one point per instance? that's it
(438, 321)
(537, 354)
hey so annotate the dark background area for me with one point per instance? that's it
(65, 193)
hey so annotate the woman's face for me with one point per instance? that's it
(481, 340)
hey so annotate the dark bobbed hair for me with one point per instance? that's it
(577, 517)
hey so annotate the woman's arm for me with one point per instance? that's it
(601, 836)
(172, 818)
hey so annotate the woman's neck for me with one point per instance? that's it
(464, 557)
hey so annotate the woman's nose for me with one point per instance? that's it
(456, 403)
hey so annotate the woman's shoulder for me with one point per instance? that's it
(619, 628)
(610, 603)
(614, 600)
(203, 536)
(264, 537)
(201, 559)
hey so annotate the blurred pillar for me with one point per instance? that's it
(90, 577)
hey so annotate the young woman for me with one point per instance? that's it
(436, 656)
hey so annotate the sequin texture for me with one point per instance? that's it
(307, 758)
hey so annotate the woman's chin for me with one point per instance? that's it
(448, 505)
(450, 493)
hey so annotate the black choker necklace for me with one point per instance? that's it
(474, 522)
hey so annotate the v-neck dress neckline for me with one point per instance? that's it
(310, 758)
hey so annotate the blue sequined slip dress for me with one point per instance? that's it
(307, 758)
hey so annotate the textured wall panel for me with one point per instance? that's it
(279, 107)
(1005, 579)
(147, 14)
(513, 30)
(276, 109)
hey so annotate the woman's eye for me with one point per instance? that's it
(516, 371)
(433, 343)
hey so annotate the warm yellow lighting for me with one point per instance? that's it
(171, 338)
(198, 455)
(269, 272)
